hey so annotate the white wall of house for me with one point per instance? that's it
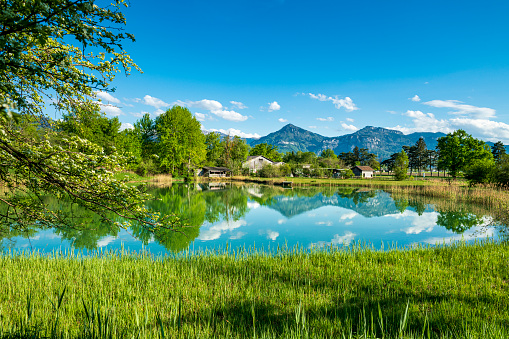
(257, 163)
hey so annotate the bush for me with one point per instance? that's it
(147, 167)
(480, 172)
(347, 174)
(269, 171)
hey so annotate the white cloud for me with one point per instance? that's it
(462, 109)
(324, 223)
(215, 107)
(349, 120)
(349, 215)
(282, 120)
(348, 127)
(415, 98)
(232, 131)
(215, 231)
(154, 102)
(424, 122)
(273, 106)
(138, 114)
(209, 105)
(312, 127)
(238, 104)
(325, 119)
(229, 115)
(106, 241)
(110, 109)
(200, 116)
(105, 96)
(345, 239)
(493, 130)
(272, 235)
(347, 103)
(126, 125)
(471, 234)
(281, 221)
(321, 97)
(158, 112)
(253, 205)
(237, 235)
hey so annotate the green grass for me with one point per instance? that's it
(455, 291)
(377, 182)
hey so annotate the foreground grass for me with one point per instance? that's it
(449, 291)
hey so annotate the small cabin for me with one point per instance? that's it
(363, 171)
(215, 172)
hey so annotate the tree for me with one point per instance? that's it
(92, 125)
(480, 172)
(327, 153)
(266, 150)
(38, 65)
(498, 150)
(181, 143)
(213, 147)
(401, 166)
(234, 153)
(458, 149)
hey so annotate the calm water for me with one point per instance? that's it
(268, 217)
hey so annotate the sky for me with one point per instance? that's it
(249, 67)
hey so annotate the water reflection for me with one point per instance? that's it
(249, 215)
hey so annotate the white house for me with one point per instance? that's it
(256, 162)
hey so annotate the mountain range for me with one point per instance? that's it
(378, 140)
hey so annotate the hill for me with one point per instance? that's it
(378, 140)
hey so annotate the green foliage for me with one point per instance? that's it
(269, 171)
(359, 157)
(458, 150)
(181, 146)
(38, 65)
(480, 172)
(400, 167)
(501, 172)
(234, 152)
(498, 150)
(145, 129)
(348, 174)
(92, 125)
(456, 291)
(266, 150)
(458, 221)
(213, 147)
(328, 153)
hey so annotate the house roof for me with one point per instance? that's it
(257, 156)
(217, 169)
(365, 168)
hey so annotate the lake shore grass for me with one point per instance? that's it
(454, 291)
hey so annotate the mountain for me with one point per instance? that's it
(378, 140)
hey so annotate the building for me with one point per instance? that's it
(363, 171)
(256, 162)
(215, 172)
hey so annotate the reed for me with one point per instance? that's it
(457, 291)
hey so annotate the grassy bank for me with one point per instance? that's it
(451, 291)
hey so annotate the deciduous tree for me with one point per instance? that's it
(38, 64)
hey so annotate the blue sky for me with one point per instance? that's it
(249, 67)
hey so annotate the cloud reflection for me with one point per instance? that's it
(215, 231)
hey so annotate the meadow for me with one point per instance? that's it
(454, 291)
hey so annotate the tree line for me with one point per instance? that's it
(457, 153)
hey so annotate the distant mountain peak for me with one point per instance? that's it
(379, 140)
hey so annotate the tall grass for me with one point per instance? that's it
(355, 292)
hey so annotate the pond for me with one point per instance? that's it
(227, 216)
